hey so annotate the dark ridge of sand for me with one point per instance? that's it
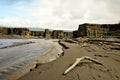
(109, 57)
(14, 36)
(17, 44)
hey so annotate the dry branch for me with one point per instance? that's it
(78, 60)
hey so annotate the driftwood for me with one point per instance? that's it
(78, 60)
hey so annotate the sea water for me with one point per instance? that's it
(13, 59)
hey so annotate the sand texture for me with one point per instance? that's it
(108, 55)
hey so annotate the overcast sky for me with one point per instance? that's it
(58, 14)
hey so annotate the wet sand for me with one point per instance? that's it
(108, 55)
(18, 57)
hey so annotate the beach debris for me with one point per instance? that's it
(78, 60)
(84, 45)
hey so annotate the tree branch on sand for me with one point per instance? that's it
(78, 60)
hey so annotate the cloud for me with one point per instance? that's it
(63, 14)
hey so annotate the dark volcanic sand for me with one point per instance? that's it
(110, 70)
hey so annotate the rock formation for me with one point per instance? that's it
(84, 30)
(2, 30)
(47, 33)
(97, 30)
(17, 31)
(37, 33)
(59, 34)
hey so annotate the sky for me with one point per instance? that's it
(58, 14)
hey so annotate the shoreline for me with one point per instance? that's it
(86, 70)
(50, 55)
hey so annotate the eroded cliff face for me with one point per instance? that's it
(57, 34)
(17, 31)
(97, 30)
(2, 30)
(47, 33)
(84, 30)
(37, 33)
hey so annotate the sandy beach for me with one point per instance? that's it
(108, 55)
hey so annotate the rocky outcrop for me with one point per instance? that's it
(84, 30)
(37, 33)
(97, 30)
(2, 30)
(17, 31)
(75, 34)
(47, 33)
(59, 34)
(68, 35)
